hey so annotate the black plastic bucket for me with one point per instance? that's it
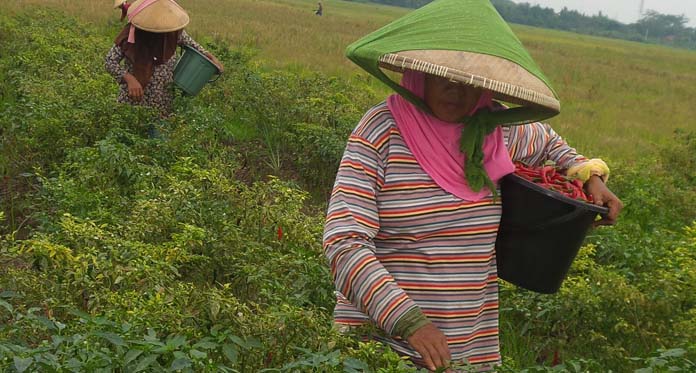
(540, 234)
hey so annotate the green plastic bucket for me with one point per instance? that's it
(193, 71)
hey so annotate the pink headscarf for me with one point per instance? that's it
(143, 5)
(435, 143)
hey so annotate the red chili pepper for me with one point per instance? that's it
(578, 183)
(556, 359)
(280, 233)
(549, 178)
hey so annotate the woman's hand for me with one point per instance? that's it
(431, 344)
(602, 196)
(135, 90)
(217, 63)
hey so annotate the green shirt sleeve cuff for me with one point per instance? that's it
(411, 321)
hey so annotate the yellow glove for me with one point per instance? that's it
(585, 170)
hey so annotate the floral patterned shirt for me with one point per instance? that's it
(158, 93)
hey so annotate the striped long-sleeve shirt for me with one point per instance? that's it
(397, 243)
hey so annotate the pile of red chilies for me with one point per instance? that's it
(549, 178)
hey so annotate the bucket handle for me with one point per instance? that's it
(216, 78)
(543, 225)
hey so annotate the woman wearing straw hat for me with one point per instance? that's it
(413, 216)
(148, 44)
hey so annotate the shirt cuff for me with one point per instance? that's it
(593, 167)
(411, 321)
(121, 76)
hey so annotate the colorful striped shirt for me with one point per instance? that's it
(396, 241)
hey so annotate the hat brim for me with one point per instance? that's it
(507, 80)
(161, 16)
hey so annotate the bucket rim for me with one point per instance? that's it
(189, 48)
(556, 195)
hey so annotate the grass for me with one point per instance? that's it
(619, 99)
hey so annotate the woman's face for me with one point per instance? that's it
(449, 101)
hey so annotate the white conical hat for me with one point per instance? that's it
(157, 16)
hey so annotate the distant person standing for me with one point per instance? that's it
(148, 44)
(320, 9)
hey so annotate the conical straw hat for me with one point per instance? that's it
(466, 41)
(118, 3)
(159, 16)
(507, 80)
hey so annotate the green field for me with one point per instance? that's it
(619, 99)
(201, 250)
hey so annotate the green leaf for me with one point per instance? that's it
(238, 341)
(253, 342)
(198, 354)
(215, 330)
(103, 321)
(74, 364)
(6, 305)
(180, 363)
(675, 352)
(57, 340)
(115, 339)
(125, 327)
(162, 349)
(9, 294)
(81, 314)
(354, 365)
(22, 364)
(176, 341)
(151, 336)
(206, 345)
(214, 310)
(43, 320)
(145, 362)
(47, 359)
(131, 355)
(230, 353)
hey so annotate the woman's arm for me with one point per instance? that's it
(112, 63)
(351, 224)
(536, 143)
(187, 40)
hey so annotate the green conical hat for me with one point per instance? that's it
(466, 41)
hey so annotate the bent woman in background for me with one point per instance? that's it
(148, 45)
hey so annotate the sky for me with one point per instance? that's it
(626, 11)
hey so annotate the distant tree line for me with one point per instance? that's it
(401, 3)
(653, 27)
